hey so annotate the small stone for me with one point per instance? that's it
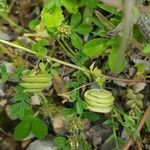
(3, 102)
(97, 141)
(35, 100)
(139, 87)
(42, 145)
(59, 124)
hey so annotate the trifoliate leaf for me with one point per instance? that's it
(22, 130)
(95, 47)
(18, 110)
(70, 5)
(79, 107)
(75, 19)
(116, 61)
(39, 128)
(90, 115)
(18, 72)
(83, 29)
(60, 141)
(33, 23)
(53, 17)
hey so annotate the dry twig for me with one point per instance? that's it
(141, 124)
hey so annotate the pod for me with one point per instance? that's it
(99, 100)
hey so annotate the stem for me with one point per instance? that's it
(11, 22)
(18, 47)
(36, 114)
(85, 70)
(65, 50)
(43, 97)
(141, 124)
(68, 47)
(67, 64)
(114, 132)
(80, 87)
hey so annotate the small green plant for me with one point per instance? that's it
(83, 33)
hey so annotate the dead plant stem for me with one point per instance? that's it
(141, 124)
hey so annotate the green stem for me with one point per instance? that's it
(114, 132)
(36, 114)
(48, 58)
(11, 22)
(66, 51)
(118, 114)
(43, 97)
(68, 47)
(18, 47)
(85, 70)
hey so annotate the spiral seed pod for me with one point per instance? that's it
(36, 83)
(99, 100)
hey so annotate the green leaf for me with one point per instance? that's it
(39, 128)
(18, 110)
(33, 23)
(48, 4)
(52, 18)
(18, 72)
(79, 107)
(39, 47)
(21, 95)
(95, 47)
(70, 5)
(22, 130)
(76, 41)
(110, 139)
(116, 61)
(91, 116)
(3, 72)
(28, 114)
(90, 3)
(83, 104)
(108, 8)
(75, 19)
(3, 6)
(83, 29)
(60, 142)
(68, 111)
(146, 48)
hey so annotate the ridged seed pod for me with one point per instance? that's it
(36, 83)
(99, 100)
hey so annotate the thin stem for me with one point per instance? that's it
(114, 132)
(85, 70)
(43, 97)
(49, 59)
(68, 47)
(141, 124)
(65, 50)
(18, 47)
(11, 22)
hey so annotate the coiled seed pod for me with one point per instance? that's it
(99, 100)
(36, 83)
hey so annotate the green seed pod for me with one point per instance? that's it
(99, 100)
(36, 83)
(37, 78)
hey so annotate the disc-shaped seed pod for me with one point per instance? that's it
(99, 100)
(36, 83)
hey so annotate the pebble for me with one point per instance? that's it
(42, 145)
